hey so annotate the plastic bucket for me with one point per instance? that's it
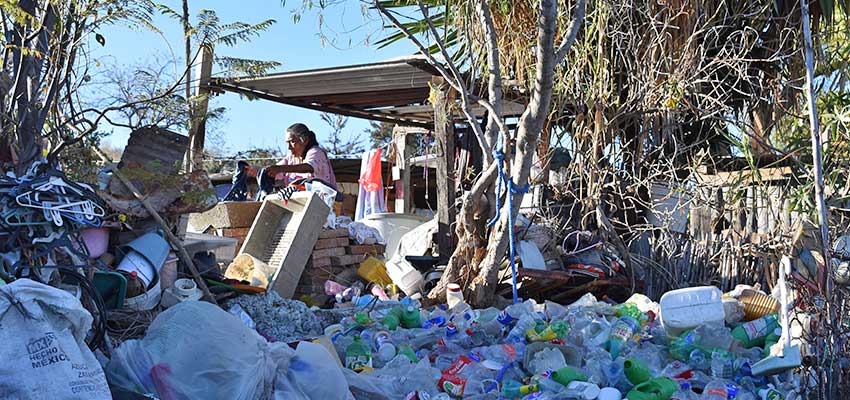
(136, 262)
(152, 246)
(392, 227)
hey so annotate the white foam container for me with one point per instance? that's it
(689, 308)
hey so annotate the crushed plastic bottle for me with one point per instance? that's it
(548, 359)
(719, 389)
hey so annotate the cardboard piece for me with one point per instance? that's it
(282, 236)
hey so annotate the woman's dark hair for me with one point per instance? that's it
(305, 133)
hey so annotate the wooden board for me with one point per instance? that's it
(283, 234)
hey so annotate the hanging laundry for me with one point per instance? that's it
(370, 202)
(370, 180)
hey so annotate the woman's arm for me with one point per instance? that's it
(302, 168)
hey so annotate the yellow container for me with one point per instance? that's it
(374, 270)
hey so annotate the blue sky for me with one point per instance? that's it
(297, 46)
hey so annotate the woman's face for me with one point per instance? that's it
(296, 144)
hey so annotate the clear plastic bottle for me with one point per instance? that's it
(722, 365)
(718, 389)
(697, 360)
(517, 333)
(684, 393)
(386, 350)
(548, 359)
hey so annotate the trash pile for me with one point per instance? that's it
(681, 348)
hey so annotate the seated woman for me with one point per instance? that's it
(305, 160)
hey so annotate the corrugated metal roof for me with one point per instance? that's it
(155, 148)
(394, 91)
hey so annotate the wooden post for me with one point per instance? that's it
(198, 116)
(403, 190)
(444, 133)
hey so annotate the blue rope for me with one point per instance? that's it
(512, 189)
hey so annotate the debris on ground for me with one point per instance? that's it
(277, 318)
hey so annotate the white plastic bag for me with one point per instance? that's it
(312, 374)
(42, 343)
(195, 350)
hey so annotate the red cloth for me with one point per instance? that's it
(371, 178)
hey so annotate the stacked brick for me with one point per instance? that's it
(334, 254)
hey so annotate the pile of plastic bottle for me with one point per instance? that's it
(588, 350)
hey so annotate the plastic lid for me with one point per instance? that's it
(685, 385)
(134, 274)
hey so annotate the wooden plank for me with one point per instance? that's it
(444, 133)
(334, 251)
(334, 233)
(330, 243)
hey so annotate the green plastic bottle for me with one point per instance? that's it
(771, 340)
(392, 320)
(410, 318)
(358, 355)
(361, 318)
(636, 371)
(568, 374)
(754, 333)
(407, 351)
(654, 389)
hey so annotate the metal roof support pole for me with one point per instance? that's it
(443, 98)
(198, 105)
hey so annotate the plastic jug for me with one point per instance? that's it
(374, 270)
(636, 371)
(689, 308)
(654, 389)
(454, 295)
(568, 374)
(755, 332)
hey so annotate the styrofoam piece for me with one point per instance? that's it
(689, 308)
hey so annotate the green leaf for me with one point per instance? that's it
(100, 39)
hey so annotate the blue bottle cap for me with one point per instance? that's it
(504, 318)
(451, 330)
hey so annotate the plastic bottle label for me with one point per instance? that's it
(755, 329)
(718, 392)
(510, 351)
(452, 384)
(623, 329)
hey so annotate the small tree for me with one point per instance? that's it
(336, 144)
